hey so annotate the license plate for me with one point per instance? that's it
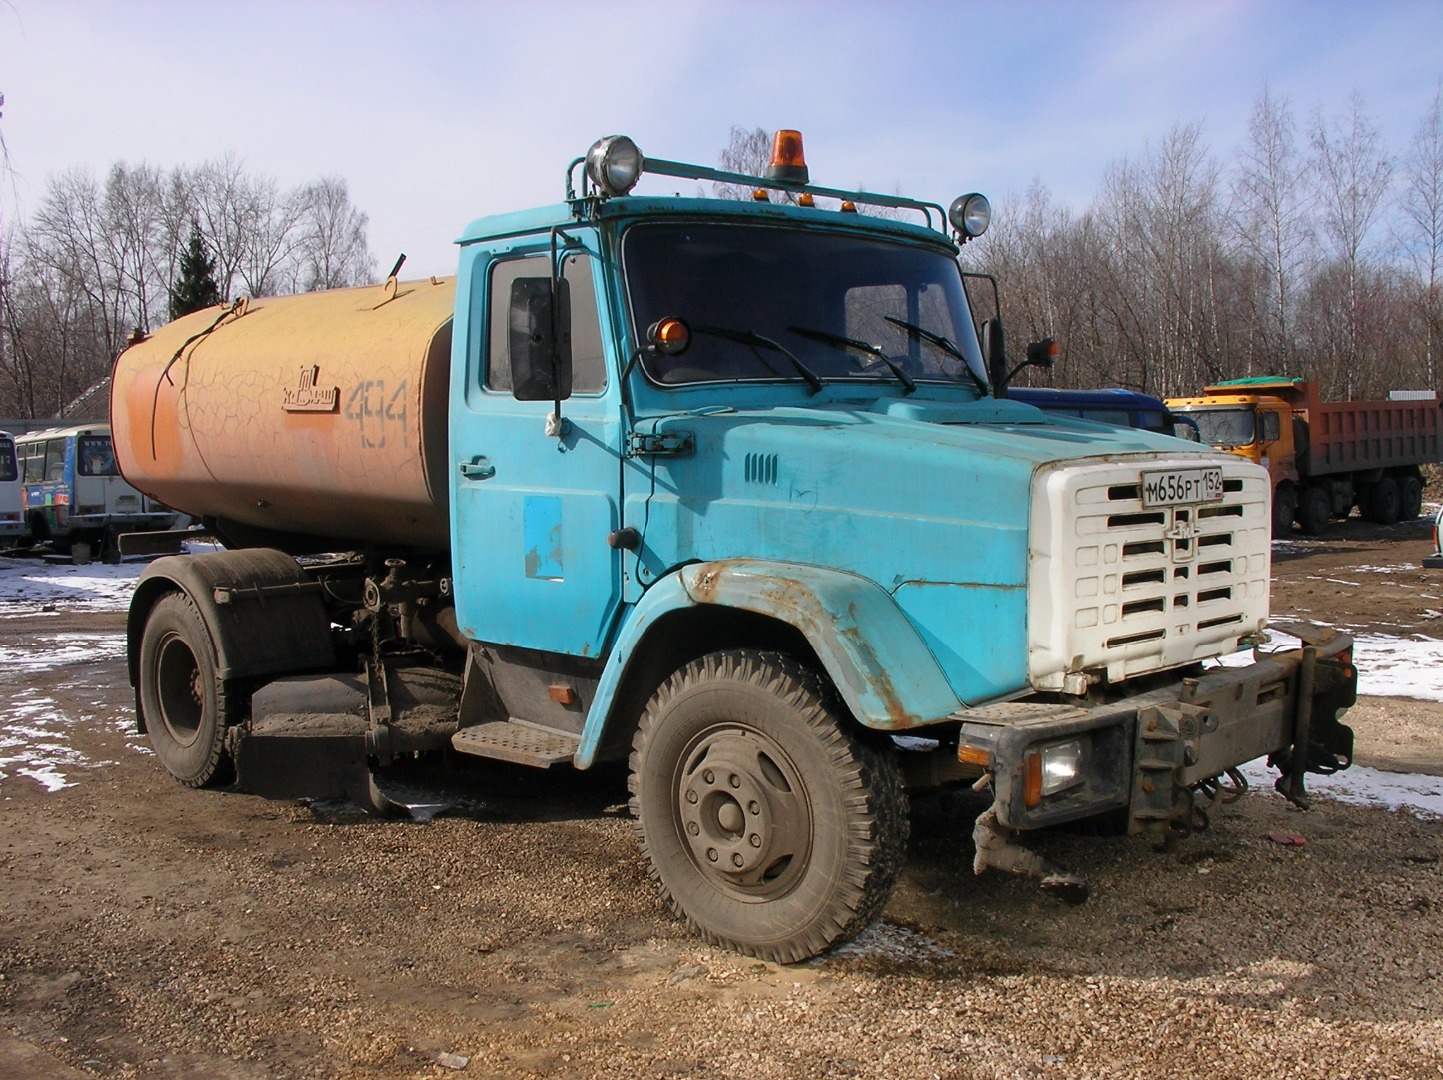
(1177, 487)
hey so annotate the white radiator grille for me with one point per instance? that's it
(1119, 589)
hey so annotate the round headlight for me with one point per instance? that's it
(614, 164)
(970, 214)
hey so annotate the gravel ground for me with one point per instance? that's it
(147, 930)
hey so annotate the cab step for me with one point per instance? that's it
(517, 741)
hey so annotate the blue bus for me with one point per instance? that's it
(73, 492)
(12, 500)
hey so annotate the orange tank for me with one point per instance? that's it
(322, 414)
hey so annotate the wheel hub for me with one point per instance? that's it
(743, 811)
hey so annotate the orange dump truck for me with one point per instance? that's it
(1325, 457)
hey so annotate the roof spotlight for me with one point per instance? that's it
(970, 215)
(614, 164)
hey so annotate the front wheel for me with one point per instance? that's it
(180, 696)
(769, 825)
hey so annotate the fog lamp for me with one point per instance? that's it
(970, 214)
(614, 164)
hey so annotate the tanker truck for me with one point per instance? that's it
(1324, 458)
(717, 489)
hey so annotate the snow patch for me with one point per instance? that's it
(1387, 666)
(30, 587)
(1362, 786)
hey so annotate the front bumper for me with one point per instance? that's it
(1148, 752)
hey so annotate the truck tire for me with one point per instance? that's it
(1314, 511)
(768, 825)
(1285, 505)
(1384, 502)
(1410, 498)
(180, 696)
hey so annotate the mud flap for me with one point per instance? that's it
(280, 764)
(310, 738)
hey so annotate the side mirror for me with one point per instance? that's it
(994, 351)
(540, 340)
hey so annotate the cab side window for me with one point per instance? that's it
(588, 358)
(1271, 427)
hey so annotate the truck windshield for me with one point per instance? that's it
(806, 290)
(1224, 427)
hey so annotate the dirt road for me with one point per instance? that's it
(147, 930)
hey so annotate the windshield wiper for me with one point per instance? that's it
(946, 346)
(756, 341)
(826, 337)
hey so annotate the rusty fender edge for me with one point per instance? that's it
(1146, 753)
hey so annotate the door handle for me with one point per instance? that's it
(478, 468)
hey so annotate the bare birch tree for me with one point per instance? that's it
(1271, 228)
(1422, 238)
(1351, 174)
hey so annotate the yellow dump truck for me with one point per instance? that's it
(1324, 457)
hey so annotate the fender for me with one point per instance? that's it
(873, 655)
(262, 612)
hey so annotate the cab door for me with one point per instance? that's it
(532, 511)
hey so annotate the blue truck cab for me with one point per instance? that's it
(730, 498)
(1109, 405)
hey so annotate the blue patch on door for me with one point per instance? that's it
(542, 538)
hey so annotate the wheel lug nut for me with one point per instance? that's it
(711, 854)
(691, 795)
(708, 776)
(754, 840)
(692, 828)
(734, 780)
(754, 806)
(737, 861)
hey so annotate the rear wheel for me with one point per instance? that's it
(1285, 505)
(769, 826)
(1410, 498)
(1384, 502)
(1314, 511)
(180, 696)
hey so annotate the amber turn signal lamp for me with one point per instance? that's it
(789, 163)
(1032, 779)
(975, 755)
(669, 336)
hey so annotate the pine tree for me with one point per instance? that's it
(195, 287)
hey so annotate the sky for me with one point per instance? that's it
(436, 113)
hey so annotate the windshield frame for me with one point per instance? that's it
(839, 365)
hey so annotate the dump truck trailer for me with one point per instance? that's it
(718, 489)
(1324, 457)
